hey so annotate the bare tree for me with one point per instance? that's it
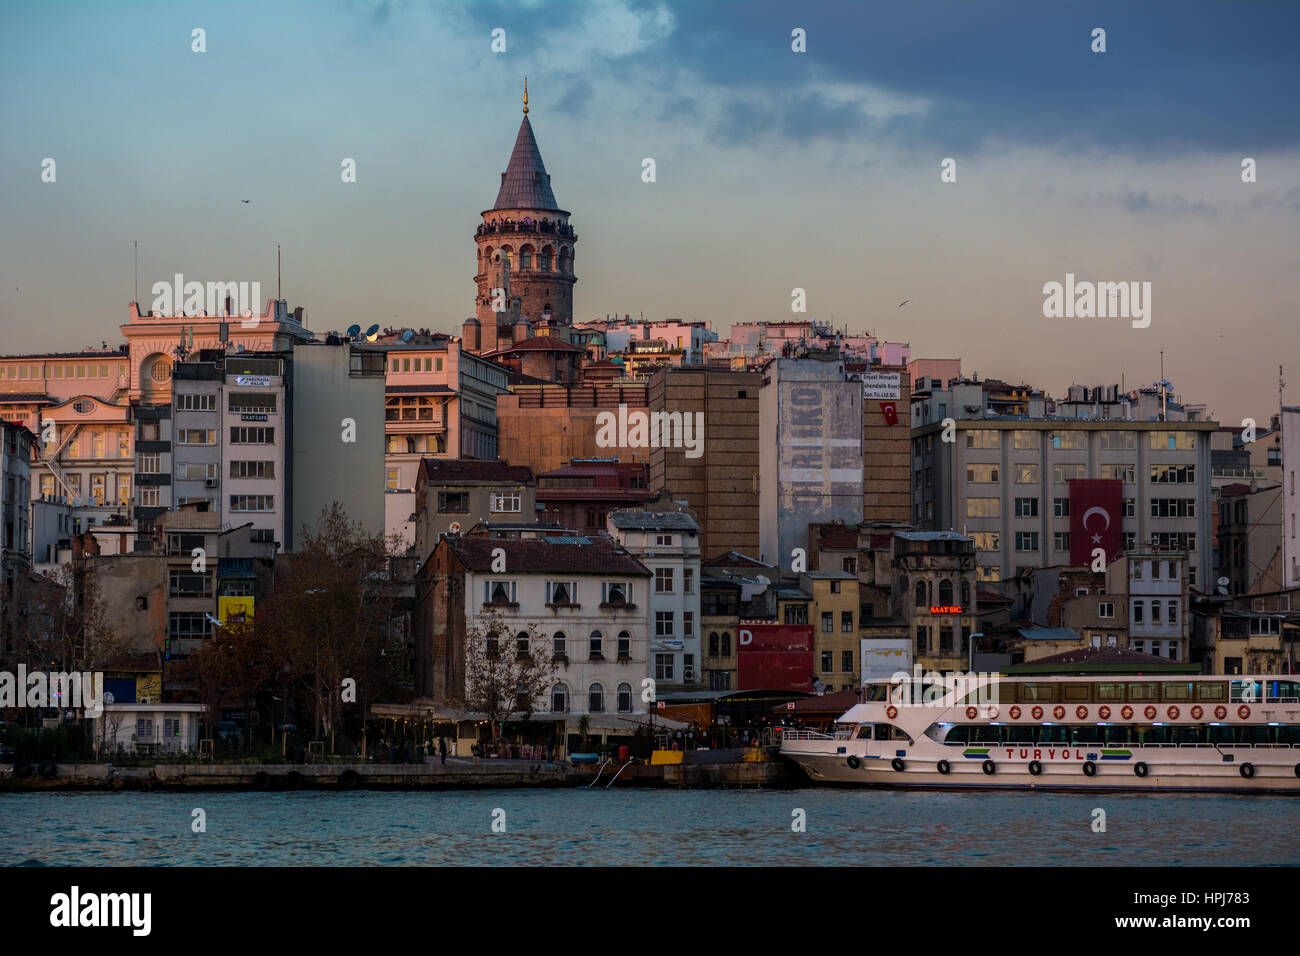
(508, 669)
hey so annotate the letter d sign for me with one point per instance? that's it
(746, 637)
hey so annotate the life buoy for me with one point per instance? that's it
(943, 767)
(897, 764)
(1150, 712)
(993, 713)
(854, 763)
(891, 711)
(1103, 712)
(1081, 712)
(1126, 712)
(1036, 713)
(1015, 713)
(1243, 712)
(1220, 712)
(990, 767)
(1090, 768)
(349, 779)
(1141, 769)
(1173, 713)
(1035, 768)
(1058, 712)
(1247, 770)
(970, 713)
(1197, 711)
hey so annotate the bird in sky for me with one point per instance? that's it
(904, 302)
(245, 200)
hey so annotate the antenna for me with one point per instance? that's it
(277, 270)
(135, 275)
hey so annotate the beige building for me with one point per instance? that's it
(452, 495)
(835, 609)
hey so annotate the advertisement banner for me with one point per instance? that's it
(775, 657)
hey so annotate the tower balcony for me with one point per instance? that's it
(543, 227)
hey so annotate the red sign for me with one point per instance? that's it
(945, 609)
(1096, 518)
(775, 657)
(890, 411)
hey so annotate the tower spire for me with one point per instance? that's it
(525, 96)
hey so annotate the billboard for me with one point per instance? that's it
(876, 385)
(775, 657)
(1096, 518)
(882, 659)
(235, 610)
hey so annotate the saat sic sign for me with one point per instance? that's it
(946, 609)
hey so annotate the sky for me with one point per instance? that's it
(774, 169)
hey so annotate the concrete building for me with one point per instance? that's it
(86, 450)
(582, 494)
(934, 593)
(147, 729)
(1154, 586)
(255, 436)
(886, 444)
(668, 544)
(810, 451)
(336, 426)
(835, 606)
(15, 500)
(1005, 479)
(454, 495)
(197, 409)
(719, 629)
(722, 483)
(1250, 552)
(154, 465)
(545, 426)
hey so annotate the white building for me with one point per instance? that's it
(668, 544)
(1157, 602)
(147, 728)
(254, 435)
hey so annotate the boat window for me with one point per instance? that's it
(1150, 736)
(1245, 690)
(1006, 692)
(1283, 690)
(1254, 735)
(1088, 734)
(1110, 691)
(875, 692)
(1116, 736)
(1037, 692)
(1289, 735)
(1076, 692)
(1141, 692)
(1175, 690)
(1052, 735)
(1186, 735)
(957, 734)
(883, 731)
(1211, 690)
(1220, 735)
(864, 732)
(984, 735)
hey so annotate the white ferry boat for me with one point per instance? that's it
(1238, 733)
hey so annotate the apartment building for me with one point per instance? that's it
(1154, 587)
(255, 435)
(835, 606)
(935, 581)
(582, 494)
(452, 495)
(668, 544)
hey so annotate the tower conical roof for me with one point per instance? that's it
(525, 184)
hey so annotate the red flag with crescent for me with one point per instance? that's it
(1096, 518)
(890, 411)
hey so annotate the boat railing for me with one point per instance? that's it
(789, 734)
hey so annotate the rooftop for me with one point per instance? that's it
(464, 470)
(525, 184)
(653, 521)
(526, 555)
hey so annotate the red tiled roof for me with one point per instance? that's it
(524, 555)
(461, 470)
(838, 538)
(1101, 655)
(733, 559)
(23, 398)
(540, 343)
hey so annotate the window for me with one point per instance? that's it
(663, 667)
(1025, 439)
(965, 595)
(196, 471)
(196, 436)
(252, 502)
(1026, 507)
(713, 644)
(828, 622)
(663, 540)
(1106, 609)
(1061, 540)
(595, 645)
(1125, 473)
(688, 581)
(846, 622)
(1172, 612)
(254, 469)
(150, 463)
(123, 445)
(559, 644)
(595, 699)
(193, 402)
(688, 624)
(796, 614)
(1026, 474)
(981, 473)
(503, 503)
(828, 662)
(983, 507)
(1139, 612)
(1127, 540)
(187, 584)
(982, 438)
(561, 592)
(726, 643)
(149, 497)
(615, 593)
(624, 698)
(1173, 474)
(1026, 540)
(244, 435)
(663, 580)
(1173, 507)
(1063, 473)
(851, 565)
(250, 402)
(624, 645)
(988, 540)
(922, 639)
(1172, 441)
(1118, 441)
(188, 624)
(1130, 507)
(664, 623)
(945, 640)
(453, 502)
(391, 478)
(144, 728)
(846, 662)
(1072, 440)
(559, 699)
(1060, 507)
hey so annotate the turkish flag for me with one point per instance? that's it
(890, 411)
(1096, 518)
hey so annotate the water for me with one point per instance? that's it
(647, 827)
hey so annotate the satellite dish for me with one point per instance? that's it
(239, 348)
(354, 331)
(408, 335)
(454, 527)
(372, 333)
(1223, 582)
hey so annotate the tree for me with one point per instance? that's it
(62, 624)
(334, 614)
(508, 669)
(234, 664)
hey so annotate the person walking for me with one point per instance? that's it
(442, 750)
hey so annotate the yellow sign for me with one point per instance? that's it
(235, 610)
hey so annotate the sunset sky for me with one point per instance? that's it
(775, 169)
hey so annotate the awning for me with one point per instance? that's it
(620, 723)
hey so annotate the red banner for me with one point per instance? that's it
(775, 657)
(1096, 518)
(890, 411)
